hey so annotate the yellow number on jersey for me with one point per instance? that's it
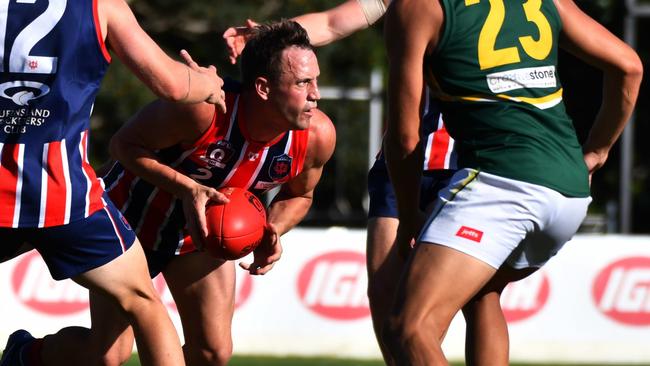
(489, 56)
(539, 49)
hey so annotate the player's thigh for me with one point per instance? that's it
(203, 288)
(101, 253)
(438, 282)
(122, 278)
(382, 221)
(380, 241)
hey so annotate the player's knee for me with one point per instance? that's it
(220, 357)
(112, 358)
(141, 299)
(212, 355)
(400, 331)
(118, 354)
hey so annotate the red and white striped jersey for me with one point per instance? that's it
(224, 156)
(53, 189)
(439, 152)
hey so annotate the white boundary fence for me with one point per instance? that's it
(589, 304)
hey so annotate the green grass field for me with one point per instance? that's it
(325, 361)
(322, 361)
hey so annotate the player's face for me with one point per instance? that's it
(296, 91)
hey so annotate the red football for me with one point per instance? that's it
(236, 228)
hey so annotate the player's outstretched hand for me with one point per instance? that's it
(194, 203)
(212, 81)
(266, 254)
(236, 38)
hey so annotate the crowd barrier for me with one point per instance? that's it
(590, 303)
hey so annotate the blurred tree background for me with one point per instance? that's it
(197, 26)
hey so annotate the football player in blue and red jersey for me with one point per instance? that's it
(272, 136)
(53, 56)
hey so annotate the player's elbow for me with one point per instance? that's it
(634, 67)
(402, 141)
(630, 66)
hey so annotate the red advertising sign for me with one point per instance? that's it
(333, 285)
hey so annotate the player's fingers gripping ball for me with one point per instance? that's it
(237, 227)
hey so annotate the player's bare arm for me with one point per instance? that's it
(167, 78)
(409, 36)
(323, 27)
(291, 204)
(622, 71)
(159, 125)
(339, 22)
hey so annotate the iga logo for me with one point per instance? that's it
(33, 286)
(523, 299)
(334, 284)
(622, 291)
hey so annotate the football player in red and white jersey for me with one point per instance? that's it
(272, 136)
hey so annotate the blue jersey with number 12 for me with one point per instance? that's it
(52, 60)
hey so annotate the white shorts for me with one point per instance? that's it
(499, 220)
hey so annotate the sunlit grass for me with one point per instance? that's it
(323, 361)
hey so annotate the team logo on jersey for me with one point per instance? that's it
(218, 154)
(22, 92)
(280, 167)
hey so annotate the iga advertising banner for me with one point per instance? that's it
(591, 303)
